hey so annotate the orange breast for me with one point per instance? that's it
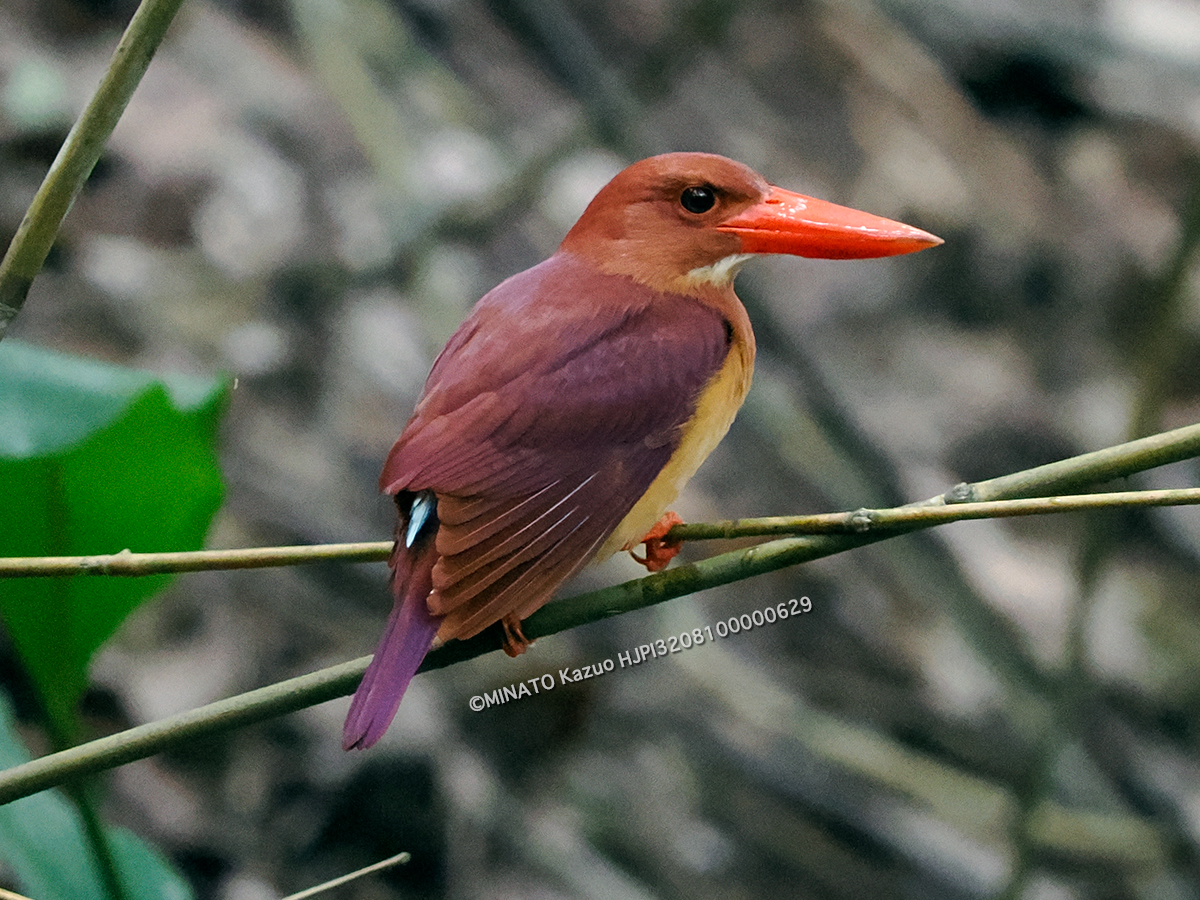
(715, 411)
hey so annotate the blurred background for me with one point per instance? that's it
(311, 195)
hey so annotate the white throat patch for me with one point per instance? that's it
(719, 273)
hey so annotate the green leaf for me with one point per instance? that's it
(43, 844)
(94, 459)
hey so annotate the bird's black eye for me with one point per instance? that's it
(698, 199)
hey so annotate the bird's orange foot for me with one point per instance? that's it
(515, 642)
(660, 551)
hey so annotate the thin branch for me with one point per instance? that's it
(1079, 472)
(145, 740)
(863, 520)
(857, 521)
(135, 564)
(337, 681)
(399, 859)
(79, 153)
(99, 841)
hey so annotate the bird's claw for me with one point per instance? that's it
(659, 550)
(515, 642)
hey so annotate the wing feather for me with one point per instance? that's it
(543, 421)
(472, 521)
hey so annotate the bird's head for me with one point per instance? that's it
(684, 222)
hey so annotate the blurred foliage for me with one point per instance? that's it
(45, 846)
(95, 458)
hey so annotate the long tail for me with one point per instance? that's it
(410, 627)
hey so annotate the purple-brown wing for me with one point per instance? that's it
(543, 421)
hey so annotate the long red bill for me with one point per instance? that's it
(803, 226)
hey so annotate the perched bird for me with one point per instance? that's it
(568, 410)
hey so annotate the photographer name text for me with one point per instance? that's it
(676, 643)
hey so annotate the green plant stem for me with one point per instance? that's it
(327, 684)
(340, 680)
(966, 501)
(138, 564)
(337, 681)
(399, 859)
(1087, 469)
(205, 721)
(79, 153)
(858, 521)
(98, 840)
(863, 520)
